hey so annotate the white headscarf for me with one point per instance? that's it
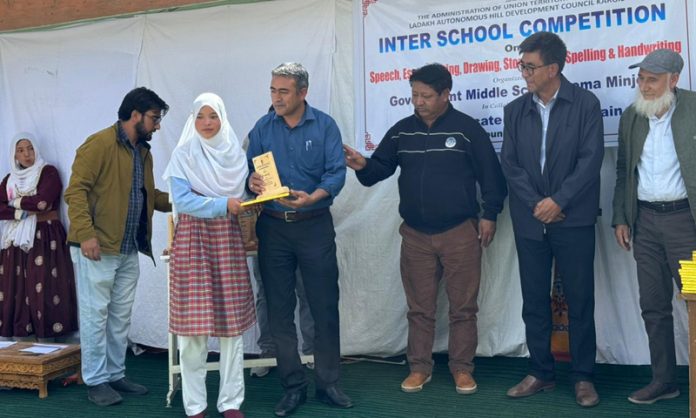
(215, 167)
(22, 182)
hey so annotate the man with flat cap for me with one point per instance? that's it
(655, 182)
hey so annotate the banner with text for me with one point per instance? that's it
(478, 41)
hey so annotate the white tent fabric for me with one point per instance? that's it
(67, 83)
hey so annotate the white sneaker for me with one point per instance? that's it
(259, 371)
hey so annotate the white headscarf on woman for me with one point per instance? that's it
(23, 181)
(215, 167)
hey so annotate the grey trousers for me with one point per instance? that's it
(660, 240)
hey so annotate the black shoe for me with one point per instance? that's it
(334, 396)
(103, 395)
(124, 385)
(289, 403)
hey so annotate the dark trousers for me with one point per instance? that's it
(307, 244)
(573, 250)
(660, 241)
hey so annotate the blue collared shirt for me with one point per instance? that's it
(308, 156)
(136, 199)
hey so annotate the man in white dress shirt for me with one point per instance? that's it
(655, 181)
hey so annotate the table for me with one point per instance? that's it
(33, 371)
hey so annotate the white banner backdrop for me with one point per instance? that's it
(478, 41)
(66, 84)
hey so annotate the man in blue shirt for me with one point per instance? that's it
(298, 231)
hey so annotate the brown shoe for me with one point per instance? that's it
(414, 382)
(585, 394)
(529, 386)
(654, 392)
(466, 385)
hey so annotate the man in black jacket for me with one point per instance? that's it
(442, 153)
(552, 153)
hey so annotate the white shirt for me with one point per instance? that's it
(545, 112)
(659, 173)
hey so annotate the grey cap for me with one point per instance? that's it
(661, 61)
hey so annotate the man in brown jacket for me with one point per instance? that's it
(111, 198)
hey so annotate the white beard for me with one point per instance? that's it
(651, 108)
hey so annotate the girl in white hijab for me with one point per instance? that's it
(210, 292)
(216, 165)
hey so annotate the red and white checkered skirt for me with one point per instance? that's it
(209, 288)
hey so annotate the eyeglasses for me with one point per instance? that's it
(529, 68)
(155, 119)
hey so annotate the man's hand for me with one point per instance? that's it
(90, 249)
(559, 218)
(297, 199)
(623, 236)
(547, 210)
(353, 158)
(256, 184)
(233, 205)
(486, 232)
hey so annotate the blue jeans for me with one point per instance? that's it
(105, 295)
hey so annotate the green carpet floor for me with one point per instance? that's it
(375, 391)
